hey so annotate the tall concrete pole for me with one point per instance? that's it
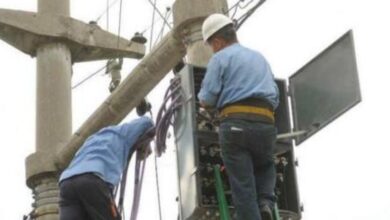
(188, 16)
(54, 69)
(53, 37)
(53, 116)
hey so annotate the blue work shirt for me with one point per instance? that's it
(105, 153)
(236, 73)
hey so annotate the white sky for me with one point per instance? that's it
(343, 169)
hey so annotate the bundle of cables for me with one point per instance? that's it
(142, 147)
(173, 100)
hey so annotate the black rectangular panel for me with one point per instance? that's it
(325, 88)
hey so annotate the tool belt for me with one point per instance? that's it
(252, 110)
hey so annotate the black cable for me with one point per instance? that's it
(244, 6)
(166, 114)
(142, 141)
(235, 5)
(157, 187)
(250, 12)
(235, 12)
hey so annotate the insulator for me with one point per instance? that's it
(139, 38)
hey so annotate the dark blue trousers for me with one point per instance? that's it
(86, 197)
(247, 152)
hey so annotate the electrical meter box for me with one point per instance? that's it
(319, 92)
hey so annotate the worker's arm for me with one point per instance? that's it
(134, 130)
(211, 84)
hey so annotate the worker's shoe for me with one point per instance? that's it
(266, 213)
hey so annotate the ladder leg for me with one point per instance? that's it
(276, 212)
(222, 204)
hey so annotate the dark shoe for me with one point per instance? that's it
(266, 213)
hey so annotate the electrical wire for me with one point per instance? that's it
(119, 31)
(89, 77)
(105, 10)
(157, 186)
(139, 177)
(160, 35)
(150, 26)
(108, 15)
(120, 22)
(152, 30)
(238, 5)
(173, 100)
(159, 13)
(249, 13)
(142, 142)
(235, 12)
(244, 6)
(235, 5)
(157, 177)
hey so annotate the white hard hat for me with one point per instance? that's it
(214, 23)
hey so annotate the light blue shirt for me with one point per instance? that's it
(236, 73)
(105, 153)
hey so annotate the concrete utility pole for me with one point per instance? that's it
(57, 41)
(53, 114)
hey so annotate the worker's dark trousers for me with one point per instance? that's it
(247, 149)
(86, 197)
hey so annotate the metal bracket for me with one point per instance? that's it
(290, 135)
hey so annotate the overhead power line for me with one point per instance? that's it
(159, 13)
(106, 10)
(152, 30)
(249, 13)
(108, 15)
(120, 22)
(89, 77)
(160, 35)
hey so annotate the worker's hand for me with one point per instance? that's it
(144, 152)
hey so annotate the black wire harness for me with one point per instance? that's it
(173, 100)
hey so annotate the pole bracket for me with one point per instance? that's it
(27, 31)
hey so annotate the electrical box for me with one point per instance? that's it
(319, 92)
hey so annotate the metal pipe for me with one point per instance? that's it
(222, 203)
(291, 135)
(135, 87)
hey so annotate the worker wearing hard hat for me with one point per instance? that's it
(240, 84)
(87, 184)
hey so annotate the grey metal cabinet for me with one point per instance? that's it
(316, 94)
